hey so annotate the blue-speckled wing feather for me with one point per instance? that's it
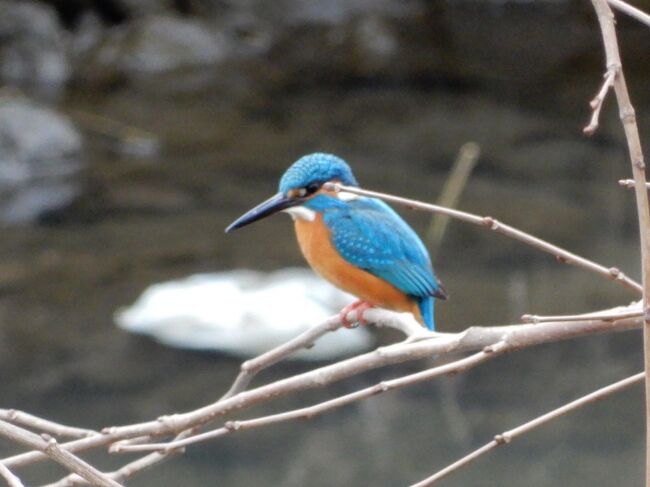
(370, 235)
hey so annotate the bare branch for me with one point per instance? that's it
(492, 340)
(594, 316)
(511, 435)
(311, 411)
(252, 367)
(613, 314)
(597, 103)
(628, 9)
(611, 273)
(49, 446)
(43, 425)
(630, 184)
(9, 477)
(628, 119)
(128, 470)
(475, 338)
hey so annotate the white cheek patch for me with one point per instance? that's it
(301, 213)
(345, 196)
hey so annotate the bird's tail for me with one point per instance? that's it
(425, 305)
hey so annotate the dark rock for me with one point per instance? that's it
(474, 41)
(338, 41)
(33, 45)
(145, 7)
(88, 34)
(294, 43)
(39, 154)
(297, 42)
(152, 46)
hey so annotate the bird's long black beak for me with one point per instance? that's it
(274, 204)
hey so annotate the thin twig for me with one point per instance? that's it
(628, 119)
(628, 9)
(252, 367)
(456, 366)
(49, 446)
(475, 338)
(237, 398)
(511, 435)
(551, 318)
(630, 184)
(406, 324)
(597, 103)
(9, 477)
(613, 314)
(44, 425)
(450, 195)
(611, 273)
(128, 470)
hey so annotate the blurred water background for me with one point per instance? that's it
(132, 132)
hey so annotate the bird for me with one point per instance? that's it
(358, 243)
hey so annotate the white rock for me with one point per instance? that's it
(33, 49)
(40, 157)
(244, 313)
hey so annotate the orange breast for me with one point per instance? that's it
(315, 244)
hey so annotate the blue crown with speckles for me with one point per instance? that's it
(316, 168)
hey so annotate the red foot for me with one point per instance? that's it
(359, 307)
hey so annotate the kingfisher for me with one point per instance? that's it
(360, 244)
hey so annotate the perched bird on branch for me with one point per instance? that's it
(359, 244)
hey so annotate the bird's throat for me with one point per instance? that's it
(301, 213)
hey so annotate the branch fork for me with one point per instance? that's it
(597, 103)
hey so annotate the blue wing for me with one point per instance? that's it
(370, 235)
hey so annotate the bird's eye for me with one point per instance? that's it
(311, 188)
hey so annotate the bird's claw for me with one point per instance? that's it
(359, 307)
